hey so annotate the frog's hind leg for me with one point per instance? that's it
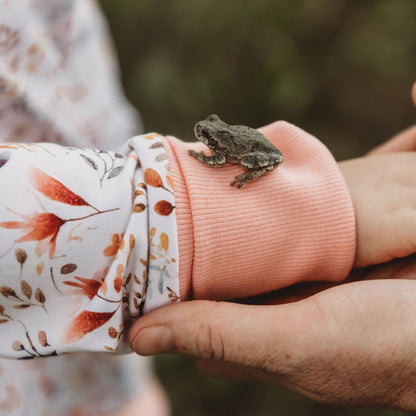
(247, 176)
(255, 167)
(215, 160)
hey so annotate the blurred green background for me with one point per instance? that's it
(340, 69)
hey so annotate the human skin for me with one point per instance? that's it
(384, 199)
(383, 193)
(349, 344)
(352, 344)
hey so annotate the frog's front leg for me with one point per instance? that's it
(214, 160)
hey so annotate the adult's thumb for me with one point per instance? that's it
(240, 334)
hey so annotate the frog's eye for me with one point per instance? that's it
(213, 117)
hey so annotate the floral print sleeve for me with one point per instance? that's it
(88, 244)
(59, 82)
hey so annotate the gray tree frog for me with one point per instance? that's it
(236, 144)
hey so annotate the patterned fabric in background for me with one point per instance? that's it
(58, 76)
(59, 83)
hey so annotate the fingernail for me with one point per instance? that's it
(154, 340)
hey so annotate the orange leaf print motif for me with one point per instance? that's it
(139, 207)
(112, 249)
(152, 178)
(164, 241)
(84, 323)
(169, 180)
(118, 281)
(55, 190)
(89, 287)
(132, 241)
(42, 226)
(163, 207)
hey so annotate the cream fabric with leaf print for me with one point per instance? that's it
(59, 83)
(89, 242)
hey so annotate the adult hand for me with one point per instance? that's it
(353, 344)
(383, 191)
(382, 188)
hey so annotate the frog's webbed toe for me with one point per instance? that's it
(239, 180)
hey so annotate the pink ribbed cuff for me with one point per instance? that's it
(294, 224)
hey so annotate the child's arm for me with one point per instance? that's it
(89, 238)
(88, 242)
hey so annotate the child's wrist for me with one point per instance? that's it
(293, 224)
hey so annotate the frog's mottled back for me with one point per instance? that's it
(236, 144)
